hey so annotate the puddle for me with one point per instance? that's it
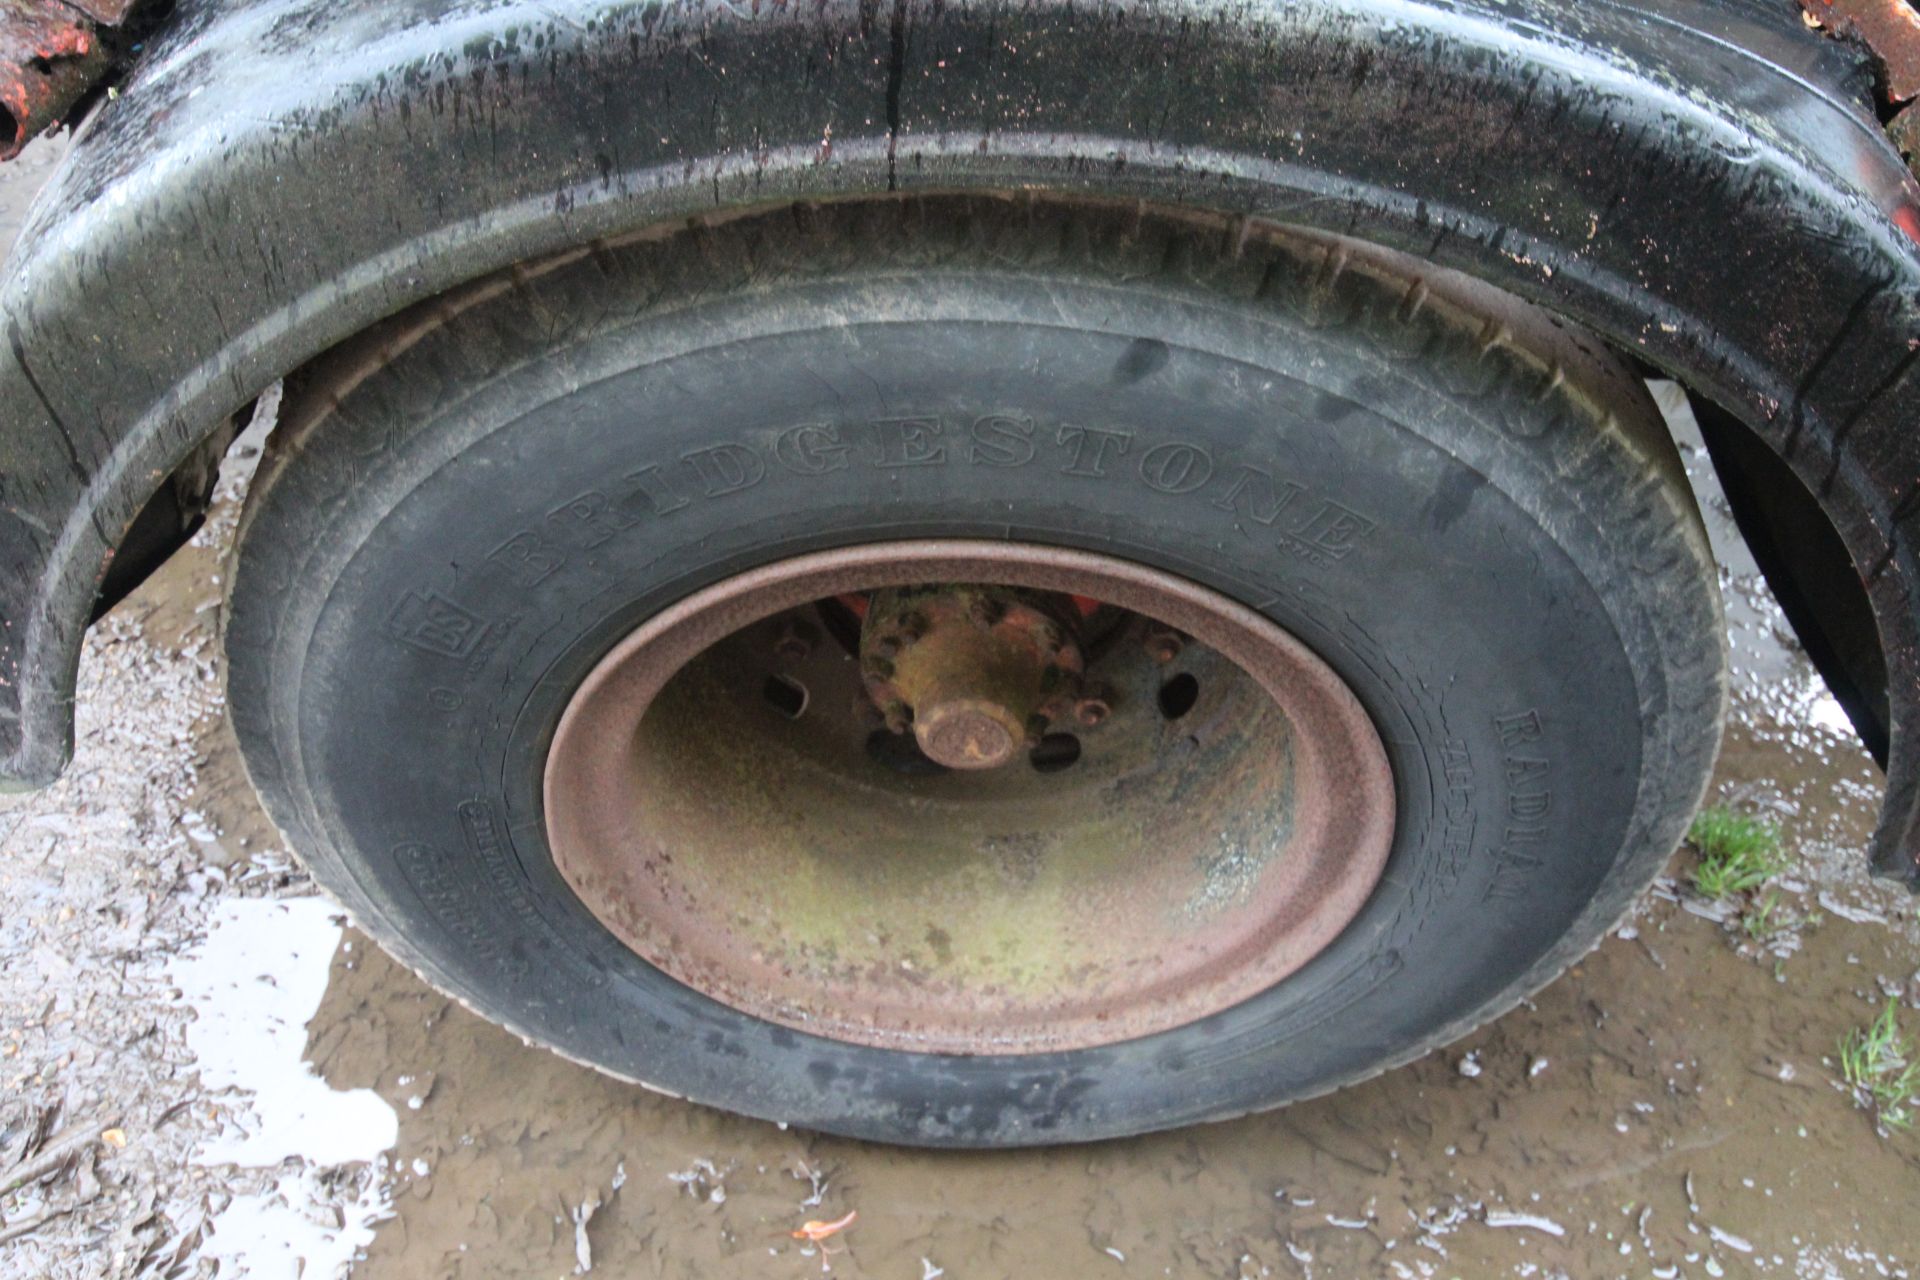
(253, 985)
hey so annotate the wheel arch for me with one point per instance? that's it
(1597, 159)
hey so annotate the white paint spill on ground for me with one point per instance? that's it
(254, 984)
(289, 1231)
(1530, 1221)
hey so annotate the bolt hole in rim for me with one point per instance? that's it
(1177, 696)
(721, 795)
(1054, 752)
(786, 695)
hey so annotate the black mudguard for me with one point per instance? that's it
(1701, 181)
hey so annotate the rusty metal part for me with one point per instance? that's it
(1904, 130)
(1168, 869)
(1163, 644)
(108, 13)
(973, 666)
(1093, 706)
(50, 55)
(1889, 28)
(53, 53)
(796, 640)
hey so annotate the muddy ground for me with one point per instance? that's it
(1668, 1108)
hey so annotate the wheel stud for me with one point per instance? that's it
(795, 641)
(1094, 706)
(986, 611)
(1163, 644)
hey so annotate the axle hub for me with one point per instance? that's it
(977, 672)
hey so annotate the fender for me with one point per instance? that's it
(1702, 182)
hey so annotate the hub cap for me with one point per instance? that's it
(968, 797)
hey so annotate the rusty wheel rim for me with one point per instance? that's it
(715, 797)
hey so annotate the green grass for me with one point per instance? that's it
(1760, 920)
(1879, 1067)
(1737, 853)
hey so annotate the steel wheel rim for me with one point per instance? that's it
(1159, 933)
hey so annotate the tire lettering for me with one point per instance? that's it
(1311, 527)
(1176, 467)
(1253, 495)
(1093, 448)
(907, 442)
(1523, 842)
(726, 468)
(482, 829)
(1457, 815)
(811, 450)
(650, 484)
(1333, 530)
(528, 559)
(1001, 440)
(431, 623)
(445, 893)
(585, 521)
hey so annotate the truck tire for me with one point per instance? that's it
(574, 623)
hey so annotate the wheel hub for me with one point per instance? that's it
(978, 671)
(968, 797)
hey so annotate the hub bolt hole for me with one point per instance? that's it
(785, 695)
(1056, 751)
(1178, 695)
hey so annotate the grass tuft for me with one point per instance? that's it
(1879, 1067)
(1760, 920)
(1737, 853)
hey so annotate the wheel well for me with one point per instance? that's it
(1807, 566)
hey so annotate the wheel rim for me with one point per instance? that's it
(746, 802)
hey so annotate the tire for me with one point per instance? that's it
(1491, 542)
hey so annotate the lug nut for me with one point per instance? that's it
(1163, 644)
(865, 713)
(1092, 708)
(795, 641)
(985, 611)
